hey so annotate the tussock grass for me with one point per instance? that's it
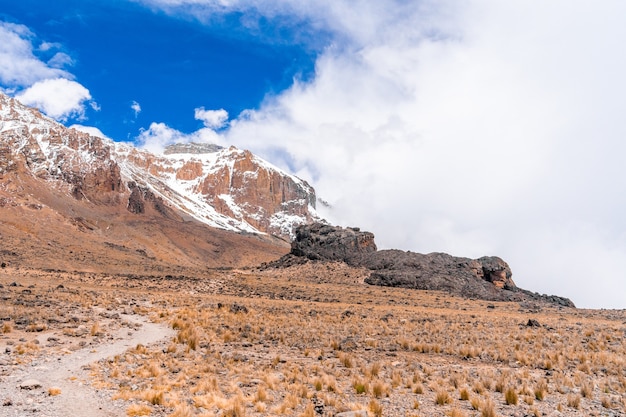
(341, 347)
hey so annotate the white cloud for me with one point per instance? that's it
(488, 129)
(45, 85)
(59, 98)
(90, 130)
(159, 135)
(136, 108)
(19, 66)
(60, 60)
(470, 127)
(214, 119)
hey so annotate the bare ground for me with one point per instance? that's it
(61, 382)
(309, 341)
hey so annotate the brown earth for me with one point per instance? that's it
(42, 228)
(313, 337)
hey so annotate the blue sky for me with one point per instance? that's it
(125, 53)
(472, 127)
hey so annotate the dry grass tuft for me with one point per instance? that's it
(138, 410)
(510, 396)
(7, 327)
(443, 398)
(488, 408)
(376, 408)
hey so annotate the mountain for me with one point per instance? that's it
(58, 183)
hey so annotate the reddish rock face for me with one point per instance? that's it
(189, 171)
(248, 188)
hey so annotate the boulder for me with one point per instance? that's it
(30, 384)
(321, 241)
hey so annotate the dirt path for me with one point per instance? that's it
(70, 374)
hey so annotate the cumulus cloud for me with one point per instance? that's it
(18, 64)
(159, 135)
(478, 127)
(214, 119)
(136, 108)
(45, 85)
(60, 60)
(59, 98)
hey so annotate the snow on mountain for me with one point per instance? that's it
(227, 188)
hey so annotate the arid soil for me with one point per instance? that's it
(311, 340)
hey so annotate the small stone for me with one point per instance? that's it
(360, 413)
(238, 308)
(30, 384)
(533, 323)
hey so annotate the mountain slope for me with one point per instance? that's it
(229, 188)
(61, 188)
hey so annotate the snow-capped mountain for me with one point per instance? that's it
(226, 188)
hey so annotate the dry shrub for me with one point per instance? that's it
(54, 391)
(154, 397)
(236, 409)
(541, 389)
(7, 327)
(375, 369)
(464, 394)
(261, 394)
(510, 396)
(360, 386)
(318, 384)
(138, 410)
(379, 389)
(586, 390)
(455, 412)
(309, 411)
(488, 409)
(346, 360)
(573, 401)
(476, 403)
(376, 408)
(442, 398)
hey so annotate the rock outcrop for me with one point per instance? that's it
(484, 278)
(487, 278)
(320, 241)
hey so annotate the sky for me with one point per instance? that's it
(472, 127)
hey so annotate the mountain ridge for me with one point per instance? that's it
(227, 188)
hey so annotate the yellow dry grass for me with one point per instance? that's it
(305, 343)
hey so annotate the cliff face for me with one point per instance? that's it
(247, 188)
(229, 188)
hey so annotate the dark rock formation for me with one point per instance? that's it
(141, 198)
(484, 278)
(320, 241)
(487, 278)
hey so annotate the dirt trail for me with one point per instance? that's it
(70, 374)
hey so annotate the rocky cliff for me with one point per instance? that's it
(488, 278)
(229, 188)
